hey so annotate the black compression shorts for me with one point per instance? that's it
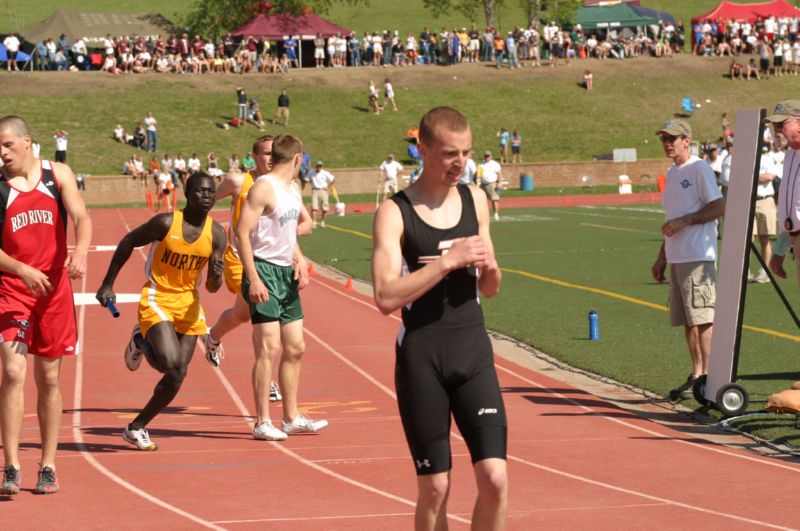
(444, 370)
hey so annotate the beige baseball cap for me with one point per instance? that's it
(783, 110)
(675, 128)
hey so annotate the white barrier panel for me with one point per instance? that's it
(735, 255)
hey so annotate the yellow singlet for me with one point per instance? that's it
(173, 273)
(233, 266)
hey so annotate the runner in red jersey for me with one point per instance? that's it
(37, 314)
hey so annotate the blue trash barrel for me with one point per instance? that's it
(526, 183)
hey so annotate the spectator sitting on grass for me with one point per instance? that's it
(752, 69)
(121, 136)
(736, 69)
(588, 80)
(234, 164)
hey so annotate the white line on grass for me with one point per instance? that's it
(609, 227)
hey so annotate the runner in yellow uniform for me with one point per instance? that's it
(170, 315)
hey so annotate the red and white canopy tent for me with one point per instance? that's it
(749, 12)
(279, 26)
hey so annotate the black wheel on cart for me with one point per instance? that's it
(732, 400)
(698, 390)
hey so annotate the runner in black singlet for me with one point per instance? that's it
(432, 255)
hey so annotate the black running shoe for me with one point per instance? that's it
(684, 391)
(10, 483)
(47, 483)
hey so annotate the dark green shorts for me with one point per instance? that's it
(283, 304)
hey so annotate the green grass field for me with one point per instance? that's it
(560, 263)
(558, 120)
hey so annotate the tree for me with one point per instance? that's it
(563, 11)
(213, 18)
(469, 8)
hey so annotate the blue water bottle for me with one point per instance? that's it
(594, 326)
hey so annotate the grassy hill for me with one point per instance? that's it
(558, 119)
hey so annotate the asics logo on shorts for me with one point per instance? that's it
(487, 411)
(22, 323)
(423, 463)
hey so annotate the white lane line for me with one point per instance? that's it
(624, 229)
(311, 518)
(601, 415)
(246, 413)
(77, 435)
(715, 449)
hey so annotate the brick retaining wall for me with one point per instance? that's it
(110, 189)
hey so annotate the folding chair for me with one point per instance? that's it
(24, 61)
(96, 60)
(687, 106)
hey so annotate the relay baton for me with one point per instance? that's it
(111, 307)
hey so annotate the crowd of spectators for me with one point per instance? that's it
(196, 55)
(772, 41)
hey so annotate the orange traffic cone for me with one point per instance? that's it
(174, 200)
(149, 197)
(349, 284)
(311, 270)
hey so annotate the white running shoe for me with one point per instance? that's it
(133, 354)
(274, 392)
(267, 432)
(322, 224)
(496, 216)
(214, 350)
(302, 424)
(139, 438)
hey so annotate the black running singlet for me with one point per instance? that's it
(454, 300)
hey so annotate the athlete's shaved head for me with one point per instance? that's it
(195, 179)
(284, 147)
(441, 117)
(14, 124)
(259, 141)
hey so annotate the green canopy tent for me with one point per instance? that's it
(613, 17)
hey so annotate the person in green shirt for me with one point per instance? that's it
(248, 162)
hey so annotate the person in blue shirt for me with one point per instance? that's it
(290, 46)
(41, 54)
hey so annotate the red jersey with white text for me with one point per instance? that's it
(34, 225)
(33, 228)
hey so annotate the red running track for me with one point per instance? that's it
(575, 461)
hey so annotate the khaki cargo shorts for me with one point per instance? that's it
(692, 293)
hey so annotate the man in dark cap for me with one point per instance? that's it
(693, 203)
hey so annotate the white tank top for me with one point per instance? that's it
(275, 237)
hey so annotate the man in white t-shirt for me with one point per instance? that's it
(194, 164)
(11, 42)
(320, 180)
(765, 225)
(390, 171)
(60, 136)
(151, 124)
(489, 176)
(179, 165)
(786, 120)
(693, 203)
